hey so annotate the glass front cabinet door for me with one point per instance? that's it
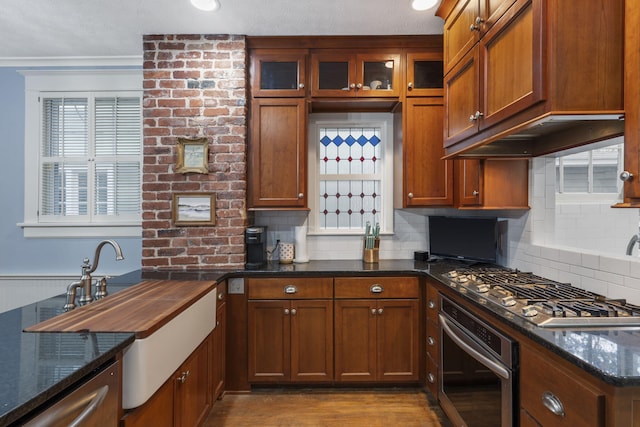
(424, 74)
(355, 75)
(278, 74)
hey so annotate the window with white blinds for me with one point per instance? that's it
(83, 153)
(90, 164)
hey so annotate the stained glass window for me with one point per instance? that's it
(350, 176)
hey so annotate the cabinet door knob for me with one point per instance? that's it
(432, 304)
(359, 86)
(476, 26)
(380, 311)
(220, 296)
(373, 311)
(352, 86)
(431, 341)
(286, 311)
(410, 85)
(293, 311)
(300, 195)
(626, 176)
(552, 403)
(183, 378)
(410, 195)
(475, 193)
(474, 117)
(301, 85)
(431, 378)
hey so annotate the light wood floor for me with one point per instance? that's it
(328, 408)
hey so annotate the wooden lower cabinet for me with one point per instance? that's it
(377, 329)
(184, 400)
(377, 340)
(290, 341)
(551, 396)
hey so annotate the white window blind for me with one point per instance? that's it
(90, 163)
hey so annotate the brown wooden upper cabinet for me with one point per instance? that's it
(347, 74)
(492, 183)
(430, 181)
(466, 23)
(278, 73)
(512, 64)
(497, 77)
(424, 74)
(277, 153)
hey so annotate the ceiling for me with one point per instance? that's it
(114, 28)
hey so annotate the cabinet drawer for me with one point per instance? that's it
(291, 288)
(541, 382)
(377, 287)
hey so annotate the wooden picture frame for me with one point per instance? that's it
(193, 155)
(194, 209)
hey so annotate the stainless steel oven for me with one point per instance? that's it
(478, 370)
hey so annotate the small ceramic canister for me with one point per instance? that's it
(286, 253)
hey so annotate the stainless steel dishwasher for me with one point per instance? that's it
(94, 403)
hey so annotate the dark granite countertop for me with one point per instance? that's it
(38, 366)
(611, 354)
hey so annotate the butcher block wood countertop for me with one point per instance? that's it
(141, 309)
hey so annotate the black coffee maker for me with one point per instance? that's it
(256, 240)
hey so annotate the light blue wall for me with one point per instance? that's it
(20, 256)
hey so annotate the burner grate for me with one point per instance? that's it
(556, 300)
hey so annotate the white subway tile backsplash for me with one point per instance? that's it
(609, 277)
(613, 265)
(623, 292)
(634, 268)
(594, 285)
(569, 257)
(590, 261)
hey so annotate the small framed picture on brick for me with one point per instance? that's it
(193, 155)
(194, 209)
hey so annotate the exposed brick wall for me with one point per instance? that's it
(194, 86)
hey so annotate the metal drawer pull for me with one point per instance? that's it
(290, 289)
(376, 289)
(552, 403)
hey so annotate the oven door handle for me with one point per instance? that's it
(473, 349)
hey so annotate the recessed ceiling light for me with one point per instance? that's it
(423, 4)
(206, 5)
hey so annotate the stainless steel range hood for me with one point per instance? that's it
(547, 135)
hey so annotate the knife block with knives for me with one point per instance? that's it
(371, 241)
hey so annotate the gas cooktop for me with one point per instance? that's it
(543, 302)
